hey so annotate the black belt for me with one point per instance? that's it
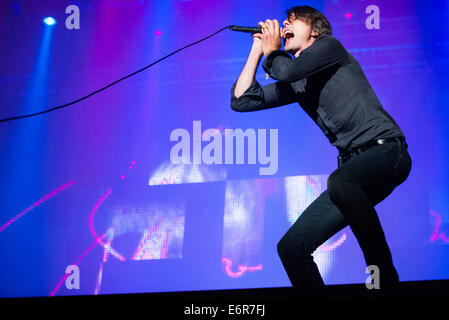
(345, 155)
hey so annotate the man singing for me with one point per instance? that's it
(329, 84)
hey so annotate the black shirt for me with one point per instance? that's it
(329, 84)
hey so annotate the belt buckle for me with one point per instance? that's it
(346, 155)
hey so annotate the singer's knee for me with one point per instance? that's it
(298, 249)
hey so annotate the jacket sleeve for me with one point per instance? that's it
(323, 53)
(257, 97)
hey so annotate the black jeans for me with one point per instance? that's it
(352, 192)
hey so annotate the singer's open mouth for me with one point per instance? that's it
(288, 35)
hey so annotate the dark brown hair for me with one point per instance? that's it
(317, 21)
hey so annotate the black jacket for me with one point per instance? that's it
(329, 84)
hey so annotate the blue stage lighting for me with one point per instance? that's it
(49, 21)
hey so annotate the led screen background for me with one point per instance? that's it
(92, 185)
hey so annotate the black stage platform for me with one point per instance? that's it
(250, 303)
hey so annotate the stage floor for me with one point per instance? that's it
(264, 303)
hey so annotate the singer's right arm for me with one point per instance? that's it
(249, 71)
(248, 95)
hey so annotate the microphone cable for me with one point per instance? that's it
(111, 84)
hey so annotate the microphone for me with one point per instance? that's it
(246, 29)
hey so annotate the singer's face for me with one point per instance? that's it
(297, 35)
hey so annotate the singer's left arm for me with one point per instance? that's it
(258, 97)
(325, 52)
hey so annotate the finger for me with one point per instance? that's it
(269, 24)
(276, 26)
(257, 35)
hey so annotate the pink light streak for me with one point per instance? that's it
(143, 241)
(100, 272)
(242, 268)
(34, 205)
(130, 168)
(165, 246)
(141, 249)
(99, 279)
(334, 245)
(53, 292)
(313, 184)
(92, 230)
(436, 234)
